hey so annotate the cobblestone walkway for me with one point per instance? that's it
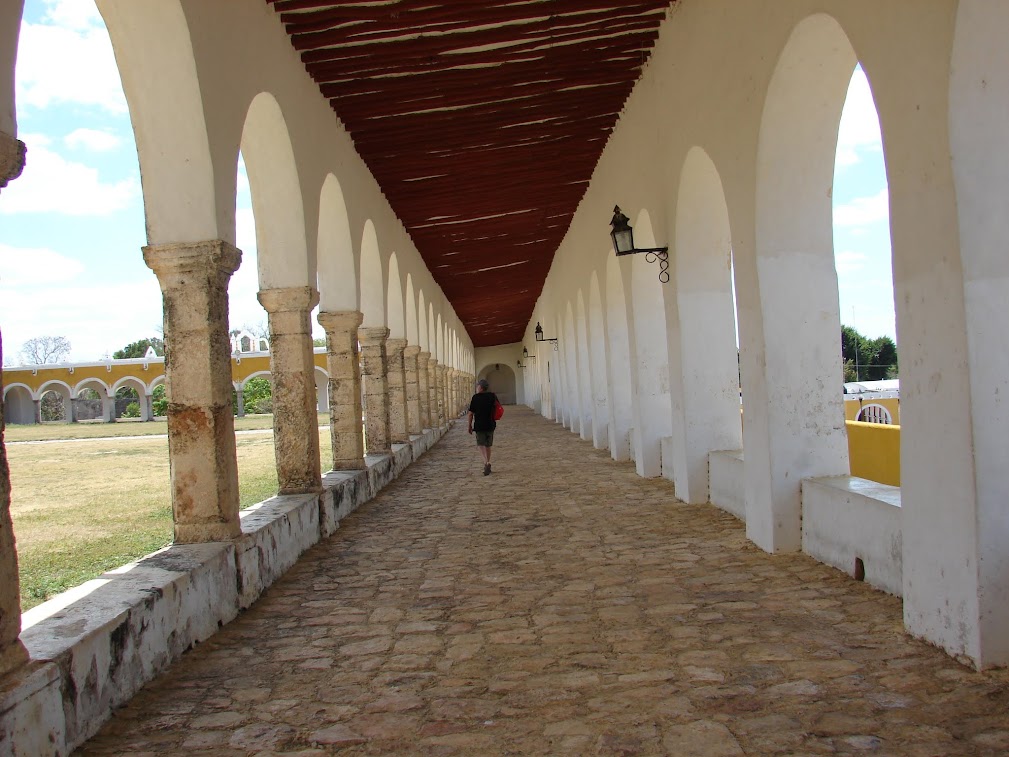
(560, 606)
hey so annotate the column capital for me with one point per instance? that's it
(341, 320)
(411, 350)
(12, 158)
(371, 334)
(395, 344)
(214, 256)
(425, 356)
(288, 299)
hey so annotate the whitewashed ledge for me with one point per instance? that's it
(95, 646)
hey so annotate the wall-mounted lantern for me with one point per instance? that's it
(540, 338)
(526, 356)
(623, 244)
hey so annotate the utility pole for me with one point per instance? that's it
(855, 334)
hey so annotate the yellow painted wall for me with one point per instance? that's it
(241, 368)
(874, 451)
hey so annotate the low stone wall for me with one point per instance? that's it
(95, 646)
(845, 519)
(726, 482)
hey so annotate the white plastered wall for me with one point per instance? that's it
(707, 86)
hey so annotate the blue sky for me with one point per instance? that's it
(72, 226)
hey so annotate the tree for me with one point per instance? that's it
(139, 349)
(867, 359)
(321, 342)
(44, 350)
(258, 395)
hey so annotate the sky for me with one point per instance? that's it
(72, 226)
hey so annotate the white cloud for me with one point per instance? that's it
(848, 262)
(863, 211)
(859, 127)
(26, 266)
(52, 184)
(92, 139)
(72, 14)
(68, 59)
(95, 318)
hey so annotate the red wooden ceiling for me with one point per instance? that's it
(482, 121)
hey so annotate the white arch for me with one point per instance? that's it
(597, 358)
(584, 369)
(281, 244)
(335, 251)
(154, 52)
(86, 384)
(394, 304)
(422, 330)
(708, 406)
(139, 384)
(650, 356)
(372, 290)
(792, 432)
(47, 387)
(618, 368)
(412, 334)
(569, 358)
(10, 387)
(242, 384)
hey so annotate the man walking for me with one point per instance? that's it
(481, 420)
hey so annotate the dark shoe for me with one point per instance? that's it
(486, 470)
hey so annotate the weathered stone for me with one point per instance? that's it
(396, 378)
(415, 422)
(344, 364)
(424, 388)
(702, 738)
(201, 427)
(376, 393)
(12, 651)
(12, 158)
(292, 365)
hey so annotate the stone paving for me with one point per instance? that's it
(560, 606)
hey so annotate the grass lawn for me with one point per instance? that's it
(122, 427)
(81, 508)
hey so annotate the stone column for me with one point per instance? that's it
(12, 158)
(12, 652)
(414, 422)
(109, 408)
(343, 361)
(376, 392)
(292, 363)
(424, 388)
(147, 408)
(436, 411)
(446, 409)
(396, 377)
(240, 402)
(73, 410)
(37, 410)
(201, 429)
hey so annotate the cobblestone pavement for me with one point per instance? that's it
(561, 606)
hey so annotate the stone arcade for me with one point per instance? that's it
(720, 142)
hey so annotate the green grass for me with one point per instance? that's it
(82, 508)
(127, 427)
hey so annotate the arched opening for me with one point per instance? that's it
(412, 335)
(572, 388)
(130, 400)
(55, 405)
(597, 356)
(650, 362)
(372, 288)
(585, 370)
(795, 433)
(709, 388)
(394, 301)
(19, 409)
(618, 367)
(281, 245)
(501, 378)
(335, 251)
